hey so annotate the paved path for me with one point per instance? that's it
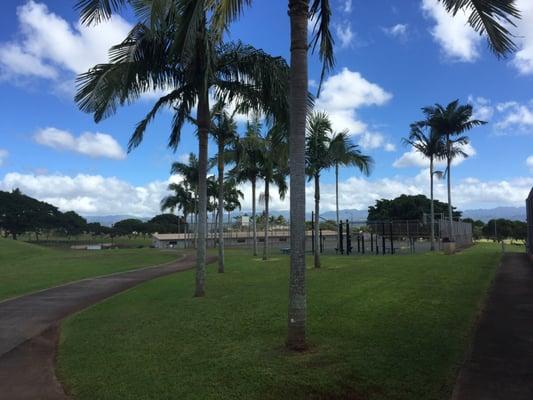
(500, 366)
(29, 328)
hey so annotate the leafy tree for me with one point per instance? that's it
(181, 199)
(451, 122)
(20, 213)
(405, 207)
(72, 224)
(430, 144)
(167, 223)
(129, 226)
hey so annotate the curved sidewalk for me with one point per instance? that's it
(28, 327)
(500, 366)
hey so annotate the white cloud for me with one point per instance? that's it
(98, 195)
(390, 147)
(48, 44)
(523, 59)
(3, 156)
(91, 144)
(529, 163)
(347, 6)
(413, 158)
(342, 95)
(345, 34)
(518, 118)
(91, 194)
(483, 110)
(397, 31)
(456, 38)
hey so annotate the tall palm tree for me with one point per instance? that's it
(174, 46)
(247, 155)
(345, 153)
(232, 197)
(317, 160)
(224, 131)
(432, 146)
(450, 122)
(181, 199)
(190, 173)
(485, 16)
(273, 170)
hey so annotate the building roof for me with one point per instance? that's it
(238, 235)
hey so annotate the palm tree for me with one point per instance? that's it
(247, 155)
(431, 146)
(485, 16)
(180, 200)
(450, 122)
(174, 47)
(232, 197)
(190, 173)
(317, 160)
(273, 170)
(345, 153)
(224, 131)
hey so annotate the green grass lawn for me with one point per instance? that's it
(27, 267)
(380, 327)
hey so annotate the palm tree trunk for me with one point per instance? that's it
(254, 225)
(432, 211)
(220, 160)
(316, 236)
(298, 91)
(267, 197)
(449, 163)
(337, 201)
(203, 131)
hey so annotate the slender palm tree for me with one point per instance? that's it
(485, 16)
(173, 46)
(451, 122)
(190, 173)
(273, 170)
(224, 131)
(247, 155)
(431, 145)
(318, 159)
(181, 199)
(232, 197)
(345, 153)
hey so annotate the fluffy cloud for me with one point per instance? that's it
(48, 44)
(529, 163)
(3, 156)
(343, 94)
(91, 144)
(91, 194)
(523, 59)
(397, 31)
(344, 34)
(375, 140)
(509, 117)
(456, 38)
(98, 195)
(347, 7)
(413, 158)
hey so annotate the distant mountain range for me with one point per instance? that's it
(512, 213)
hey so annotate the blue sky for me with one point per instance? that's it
(393, 57)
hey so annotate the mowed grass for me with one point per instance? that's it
(25, 267)
(380, 327)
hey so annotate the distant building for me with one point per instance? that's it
(243, 220)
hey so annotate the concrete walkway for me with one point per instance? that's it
(500, 366)
(29, 328)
